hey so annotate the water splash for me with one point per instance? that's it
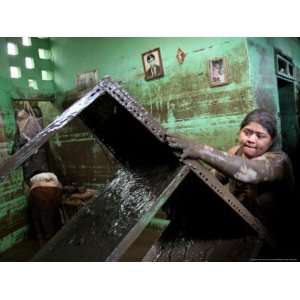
(131, 195)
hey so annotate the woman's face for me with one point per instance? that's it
(254, 140)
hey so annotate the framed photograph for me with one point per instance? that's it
(218, 72)
(152, 63)
(87, 79)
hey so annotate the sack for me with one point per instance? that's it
(29, 125)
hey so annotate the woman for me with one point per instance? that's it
(260, 176)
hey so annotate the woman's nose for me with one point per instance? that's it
(252, 138)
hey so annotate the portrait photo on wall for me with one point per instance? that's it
(87, 79)
(218, 72)
(152, 63)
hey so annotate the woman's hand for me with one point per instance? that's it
(189, 149)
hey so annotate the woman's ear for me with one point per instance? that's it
(275, 144)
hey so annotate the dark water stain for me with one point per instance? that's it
(265, 99)
(198, 50)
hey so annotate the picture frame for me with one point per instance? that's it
(218, 71)
(87, 79)
(152, 63)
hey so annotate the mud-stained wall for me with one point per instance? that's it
(77, 158)
(182, 100)
(263, 70)
(13, 203)
(13, 217)
(263, 74)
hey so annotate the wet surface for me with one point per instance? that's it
(197, 250)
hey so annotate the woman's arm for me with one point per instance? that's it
(220, 176)
(268, 167)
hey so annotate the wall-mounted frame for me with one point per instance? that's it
(284, 67)
(87, 79)
(153, 67)
(218, 71)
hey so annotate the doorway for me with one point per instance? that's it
(288, 116)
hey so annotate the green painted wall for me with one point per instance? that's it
(18, 88)
(263, 71)
(13, 204)
(182, 100)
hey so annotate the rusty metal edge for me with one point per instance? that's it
(134, 108)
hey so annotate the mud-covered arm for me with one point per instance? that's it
(220, 176)
(268, 167)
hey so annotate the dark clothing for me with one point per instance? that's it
(266, 200)
(36, 163)
(153, 72)
(270, 201)
(44, 203)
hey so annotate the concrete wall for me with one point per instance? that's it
(13, 204)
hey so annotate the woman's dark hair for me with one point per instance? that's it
(150, 57)
(264, 118)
